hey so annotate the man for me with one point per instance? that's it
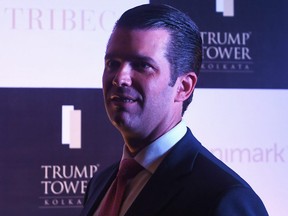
(152, 62)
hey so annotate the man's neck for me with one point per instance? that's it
(135, 144)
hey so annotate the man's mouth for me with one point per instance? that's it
(123, 99)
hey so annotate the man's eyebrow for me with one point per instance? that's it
(130, 57)
(109, 56)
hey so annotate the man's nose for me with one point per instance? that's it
(123, 76)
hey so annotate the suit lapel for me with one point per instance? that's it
(168, 178)
(98, 190)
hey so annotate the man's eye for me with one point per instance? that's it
(141, 66)
(112, 64)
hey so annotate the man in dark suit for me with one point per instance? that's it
(152, 63)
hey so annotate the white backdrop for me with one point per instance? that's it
(56, 43)
(247, 129)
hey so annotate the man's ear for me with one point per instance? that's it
(185, 86)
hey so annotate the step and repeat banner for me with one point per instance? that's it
(54, 132)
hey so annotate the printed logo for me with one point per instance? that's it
(227, 52)
(64, 186)
(71, 127)
(271, 154)
(226, 7)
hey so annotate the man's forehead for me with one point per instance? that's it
(123, 39)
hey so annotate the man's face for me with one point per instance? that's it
(138, 98)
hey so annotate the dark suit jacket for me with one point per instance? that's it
(189, 181)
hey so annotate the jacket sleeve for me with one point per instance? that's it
(240, 201)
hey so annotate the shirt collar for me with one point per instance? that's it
(151, 156)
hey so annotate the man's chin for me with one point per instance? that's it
(125, 126)
(122, 122)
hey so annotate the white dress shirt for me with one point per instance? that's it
(150, 157)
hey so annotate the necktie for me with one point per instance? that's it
(113, 200)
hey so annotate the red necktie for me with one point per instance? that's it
(113, 200)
